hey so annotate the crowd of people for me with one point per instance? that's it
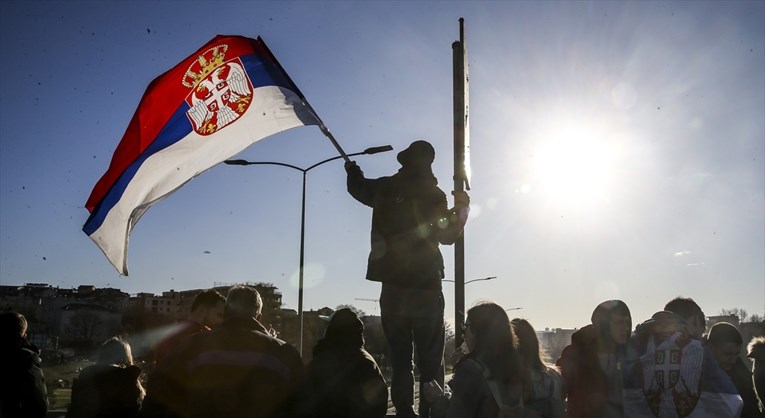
(222, 361)
(235, 367)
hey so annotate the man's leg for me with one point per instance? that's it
(398, 333)
(428, 334)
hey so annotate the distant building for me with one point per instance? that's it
(553, 341)
(52, 312)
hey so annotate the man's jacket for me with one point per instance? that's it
(410, 219)
(235, 370)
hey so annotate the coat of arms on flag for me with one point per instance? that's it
(221, 90)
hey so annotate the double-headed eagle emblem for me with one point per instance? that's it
(221, 91)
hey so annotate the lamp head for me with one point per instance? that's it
(377, 150)
(236, 162)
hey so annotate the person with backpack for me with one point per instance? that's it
(543, 385)
(488, 379)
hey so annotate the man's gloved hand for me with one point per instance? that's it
(461, 199)
(352, 168)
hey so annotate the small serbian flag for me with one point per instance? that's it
(226, 96)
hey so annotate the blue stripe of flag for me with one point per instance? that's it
(262, 73)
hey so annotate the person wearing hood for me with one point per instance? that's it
(410, 218)
(22, 391)
(344, 380)
(591, 364)
(109, 388)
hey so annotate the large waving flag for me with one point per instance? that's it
(226, 96)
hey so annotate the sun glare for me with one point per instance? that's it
(574, 166)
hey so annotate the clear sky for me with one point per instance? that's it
(618, 148)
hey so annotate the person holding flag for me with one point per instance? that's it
(410, 219)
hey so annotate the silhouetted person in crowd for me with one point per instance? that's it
(488, 379)
(690, 311)
(726, 342)
(22, 392)
(410, 219)
(756, 352)
(206, 312)
(543, 387)
(235, 370)
(343, 379)
(109, 388)
(669, 373)
(591, 365)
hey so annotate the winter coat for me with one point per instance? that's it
(181, 330)
(105, 391)
(410, 218)
(22, 392)
(235, 370)
(345, 382)
(584, 382)
(742, 378)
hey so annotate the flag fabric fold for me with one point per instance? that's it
(223, 98)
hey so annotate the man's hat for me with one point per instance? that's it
(419, 153)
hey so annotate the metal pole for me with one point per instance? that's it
(302, 258)
(458, 65)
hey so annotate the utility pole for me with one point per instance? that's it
(461, 170)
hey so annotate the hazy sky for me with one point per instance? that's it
(618, 148)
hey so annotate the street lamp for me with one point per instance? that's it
(474, 280)
(459, 317)
(368, 151)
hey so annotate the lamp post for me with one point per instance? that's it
(368, 151)
(459, 317)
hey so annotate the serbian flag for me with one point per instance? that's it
(224, 97)
(676, 378)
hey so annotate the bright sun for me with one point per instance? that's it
(574, 166)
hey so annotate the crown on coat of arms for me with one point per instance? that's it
(204, 65)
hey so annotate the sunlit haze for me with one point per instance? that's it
(617, 148)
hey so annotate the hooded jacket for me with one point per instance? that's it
(584, 381)
(344, 381)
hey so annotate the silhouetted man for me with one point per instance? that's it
(22, 391)
(206, 312)
(410, 218)
(235, 370)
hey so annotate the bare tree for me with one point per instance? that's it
(740, 313)
(355, 310)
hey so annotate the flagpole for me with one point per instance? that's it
(460, 175)
(323, 127)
